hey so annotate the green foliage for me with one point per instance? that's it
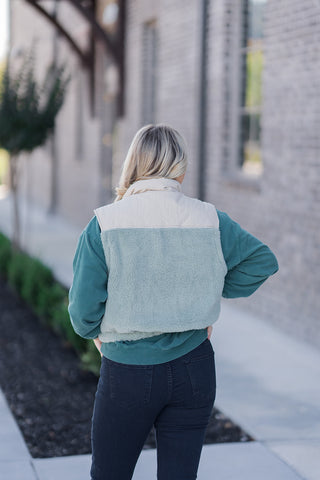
(5, 254)
(34, 278)
(28, 110)
(62, 325)
(27, 115)
(254, 78)
(2, 68)
(18, 265)
(48, 298)
(91, 359)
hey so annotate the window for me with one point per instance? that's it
(251, 67)
(149, 72)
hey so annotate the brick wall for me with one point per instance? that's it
(282, 207)
(178, 63)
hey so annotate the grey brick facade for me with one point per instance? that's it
(282, 207)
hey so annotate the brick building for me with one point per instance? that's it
(239, 79)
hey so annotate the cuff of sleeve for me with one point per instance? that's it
(87, 333)
(93, 334)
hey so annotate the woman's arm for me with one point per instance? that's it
(249, 261)
(88, 293)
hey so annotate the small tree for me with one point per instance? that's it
(27, 116)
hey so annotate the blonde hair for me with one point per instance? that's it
(155, 151)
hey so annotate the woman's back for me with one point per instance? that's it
(165, 264)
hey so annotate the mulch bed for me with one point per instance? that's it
(50, 395)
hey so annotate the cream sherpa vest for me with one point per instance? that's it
(165, 264)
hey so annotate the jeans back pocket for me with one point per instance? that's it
(129, 386)
(202, 377)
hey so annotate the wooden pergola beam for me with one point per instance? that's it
(52, 19)
(98, 32)
(113, 47)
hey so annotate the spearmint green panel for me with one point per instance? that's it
(162, 279)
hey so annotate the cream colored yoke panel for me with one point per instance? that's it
(157, 209)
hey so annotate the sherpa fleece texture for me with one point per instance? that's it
(161, 280)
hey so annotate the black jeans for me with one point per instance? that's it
(176, 397)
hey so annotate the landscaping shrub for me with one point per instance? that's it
(5, 254)
(91, 359)
(17, 270)
(62, 325)
(36, 284)
(36, 278)
(49, 298)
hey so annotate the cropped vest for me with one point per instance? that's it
(165, 263)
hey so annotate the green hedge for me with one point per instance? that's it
(36, 284)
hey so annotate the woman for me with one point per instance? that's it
(149, 272)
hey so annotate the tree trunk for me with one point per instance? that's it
(16, 213)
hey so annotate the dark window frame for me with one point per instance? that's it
(237, 50)
(149, 71)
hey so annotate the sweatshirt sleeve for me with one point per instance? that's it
(88, 293)
(249, 261)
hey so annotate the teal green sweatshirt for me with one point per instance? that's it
(249, 263)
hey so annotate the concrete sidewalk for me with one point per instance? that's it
(267, 382)
(238, 461)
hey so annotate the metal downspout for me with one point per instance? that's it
(53, 140)
(203, 101)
